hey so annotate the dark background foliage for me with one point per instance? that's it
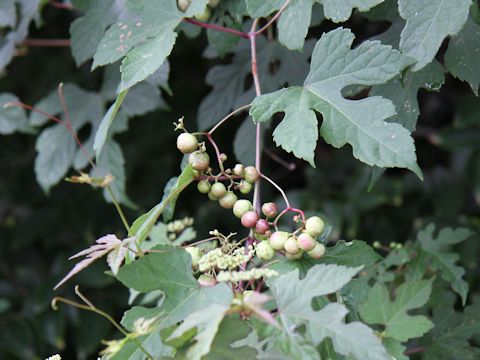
(39, 231)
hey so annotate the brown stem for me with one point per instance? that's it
(216, 27)
(415, 350)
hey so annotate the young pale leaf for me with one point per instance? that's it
(360, 123)
(429, 22)
(105, 245)
(207, 321)
(294, 298)
(442, 259)
(463, 55)
(380, 309)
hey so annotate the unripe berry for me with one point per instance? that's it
(195, 253)
(239, 170)
(241, 207)
(218, 189)
(245, 187)
(294, 256)
(203, 186)
(291, 246)
(277, 240)
(187, 143)
(228, 200)
(306, 242)
(199, 160)
(213, 3)
(314, 226)
(264, 251)
(205, 15)
(262, 226)
(207, 280)
(249, 219)
(270, 209)
(223, 157)
(183, 4)
(317, 252)
(251, 174)
(212, 197)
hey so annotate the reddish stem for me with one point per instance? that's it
(47, 42)
(217, 152)
(60, 5)
(216, 27)
(415, 350)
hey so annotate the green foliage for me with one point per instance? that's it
(203, 284)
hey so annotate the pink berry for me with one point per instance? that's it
(249, 219)
(262, 226)
(251, 174)
(306, 242)
(270, 209)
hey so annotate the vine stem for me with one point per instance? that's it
(47, 42)
(217, 152)
(60, 5)
(216, 27)
(414, 351)
(287, 203)
(273, 19)
(234, 112)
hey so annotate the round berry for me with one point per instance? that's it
(218, 189)
(205, 15)
(264, 251)
(249, 219)
(183, 4)
(317, 252)
(223, 157)
(251, 174)
(306, 242)
(314, 226)
(270, 209)
(207, 280)
(277, 240)
(203, 186)
(239, 170)
(199, 160)
(245, 187)
(213, 3)
(187, 143)
(228, 200)
(195, 254)
(291, 246)
(262, 226)
(294, 256)
(212, 197)
(241, 207)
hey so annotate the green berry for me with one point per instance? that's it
(199, 160)
(223, 157)
(205, 15)
(241, 207)
(264, 251)
(251, 174)
(218, 189)
(277, 240)
(203, 186)
(207, 280)
(294, 256)
(317, 252)
(239, 169)
(211, 196)
(187, 143)
(314, 226)
(195, 253)
(245, 187)
(306, 242)
(228, 200)
(270, 209)
(291, 246)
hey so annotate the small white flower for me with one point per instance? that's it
(54, 357)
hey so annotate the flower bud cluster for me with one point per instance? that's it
(217, 259)
(178, 226)
(253, 274)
